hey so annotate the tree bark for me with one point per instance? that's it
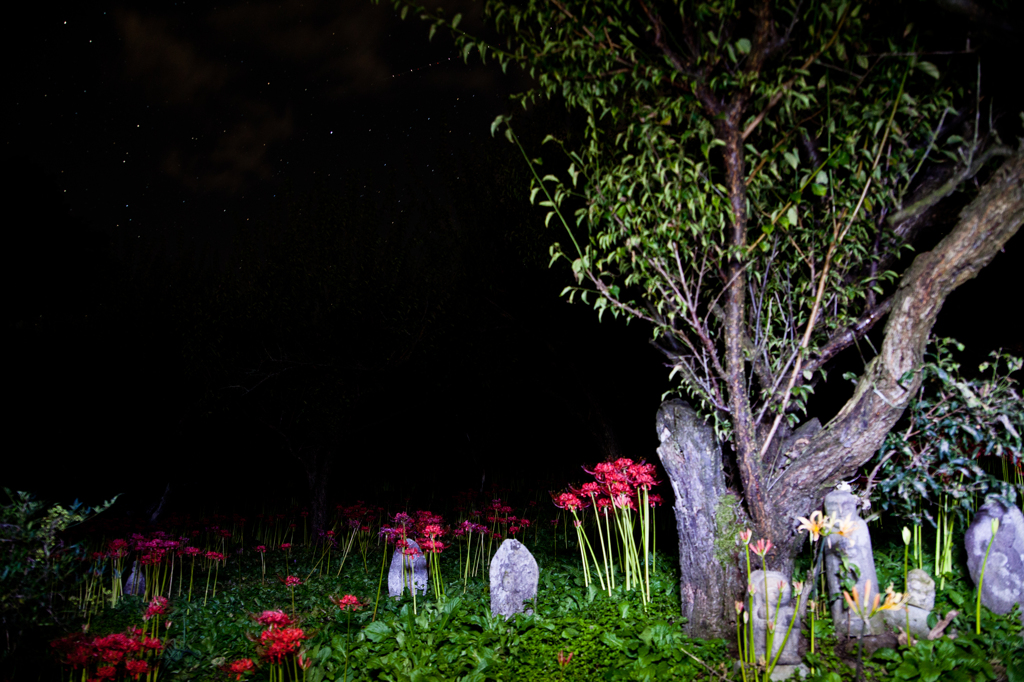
(708, 519)
(318, 469)
(855, 434)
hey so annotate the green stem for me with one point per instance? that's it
(981, 578)
(533, 170)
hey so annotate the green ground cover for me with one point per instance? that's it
(330, 624)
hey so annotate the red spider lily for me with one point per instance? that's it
(563, 660)
(215, 556)
(157, 607)
(153, 644)
(431, 546)
(191, 551)
(282, 642)
(239, 667)
(274, 619)
(291, 581)
(286, 545)
(349, 602)
(567, 501)
(433, 530)
(761, 547)
(260, 548)
(136, 668)
(642, 475)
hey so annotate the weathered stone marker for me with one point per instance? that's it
(136, 583)
(921, 590)
(407, 571)
(855, 548)
(514, 578)
(763, 612)
(1003, 583)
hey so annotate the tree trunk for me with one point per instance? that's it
(708, 518)
(318, 468)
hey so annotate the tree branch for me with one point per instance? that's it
(788, 84)
(845, 338)
(853, 436)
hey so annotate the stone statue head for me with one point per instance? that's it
(921, 589)
(841, 504)
(779, 593)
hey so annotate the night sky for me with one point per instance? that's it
(240, 229)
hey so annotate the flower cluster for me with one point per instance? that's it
(620, 491)
(620, 484)
(820, 525)
(157, 607)
(274, 619)
(238, 668)
(349, 602)
(110, 654)
(279, 642)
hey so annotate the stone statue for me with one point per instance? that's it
(408, 571)
(921, 592)
(1003, 584)
(852, 545)
(763, 611)
(136, 583)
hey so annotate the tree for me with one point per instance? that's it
(748, 177)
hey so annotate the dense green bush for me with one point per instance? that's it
(39, 568)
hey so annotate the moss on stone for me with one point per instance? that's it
(727, 528)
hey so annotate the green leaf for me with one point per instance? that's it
(929, 69)
(743, 46)
(612, 640)
(862, 62)
(906, 671)
(791, 215)
(377, 631)
(455, 20)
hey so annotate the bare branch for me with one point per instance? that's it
(845, 338)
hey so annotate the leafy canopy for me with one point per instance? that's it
(835, 115)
